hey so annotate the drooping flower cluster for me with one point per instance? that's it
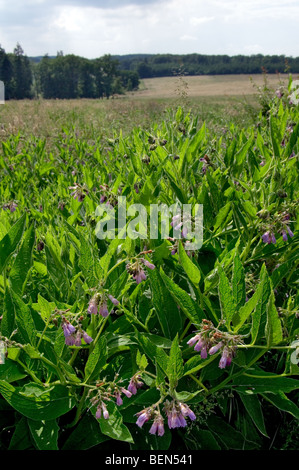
(73, 335)
(176, 414)
(12, 206)
(136, 269)
(280, 224)
(210, 340)
(135, 384)
(79, 192)
(106, 392)
(99, 304)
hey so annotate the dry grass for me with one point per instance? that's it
(206, 85)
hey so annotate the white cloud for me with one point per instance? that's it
(92, 28)
(195, 21)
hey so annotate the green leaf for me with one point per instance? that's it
(87, 434)
(44, 434)
(261, 382)
(153, 352)
(114, 426)
(273, 327)
(222, 216)
(228, 306)
(11, 371)
(190, 269)
(260, 314)
(23, 262)
(24, 319)
(96, 360)
(175, 367)
(238, 282)
(167, 311)
(21, 439)
(10, 241)
(44, 308)
(187, 304)
(281, 401)
(254, 409)
(48, 406)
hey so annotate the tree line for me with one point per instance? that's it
(70, 76)
(161, 65)
(63, 77)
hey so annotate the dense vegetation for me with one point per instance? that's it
(71, 76)
(126, 343)
(161, 65)
(63, 77)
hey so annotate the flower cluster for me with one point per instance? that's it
(73, 335)
(137, 271)
(79, 192)
(210, 340)
(12, 205)
(109, 391)
(176, 414)
(99, 304)
(280, 225)
(107, 195)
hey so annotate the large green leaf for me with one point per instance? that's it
(189, 307)
(48, 406)
(96, 360)
(44, 434)
(23, 262)
(189, 267)
(228, 306)
(167, 311)
(175, 367)
(10, 241)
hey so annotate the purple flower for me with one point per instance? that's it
(103, 310)
(186, 411)
(148, 264)
(70, 340)
(68, 329)
(226, 358)
(87, 338)
(192, 341)
(215, 348)
(143, 417)
(290, 232)
(266, 237)
(284, 236)
(126, 392)
(93, 306)
(105, 411)
(157, 426)
(134, 384)
(113, 300)
(118, 399)
(139, 276)
(78, 339)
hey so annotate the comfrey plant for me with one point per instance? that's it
(142, 340)
(210, 340)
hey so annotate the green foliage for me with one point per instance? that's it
(211, 332)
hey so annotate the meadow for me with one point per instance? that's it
(136, 342)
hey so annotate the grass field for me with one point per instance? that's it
(216, 99)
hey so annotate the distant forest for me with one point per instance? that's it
(70, 76)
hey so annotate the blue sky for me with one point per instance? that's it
(93, 28)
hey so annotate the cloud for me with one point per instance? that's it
(92, 28)
(195, 21)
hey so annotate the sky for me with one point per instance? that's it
(93, 28)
